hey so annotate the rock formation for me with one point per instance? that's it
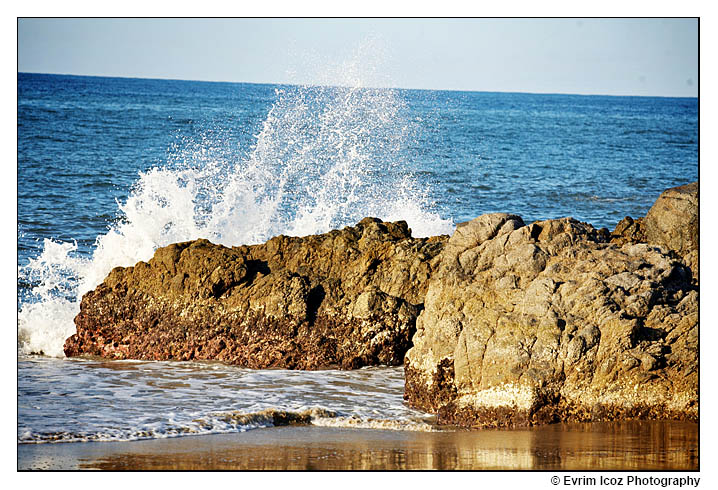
(672, 222)
(552, 322)
(347, 298)
(511, 324)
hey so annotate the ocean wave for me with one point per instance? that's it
(325, 157)
(231, 422)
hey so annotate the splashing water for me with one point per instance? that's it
(325, 157)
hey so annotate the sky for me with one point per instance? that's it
(654, 57)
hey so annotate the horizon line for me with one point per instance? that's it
(128, 77)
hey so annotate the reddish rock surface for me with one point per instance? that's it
(347, 298)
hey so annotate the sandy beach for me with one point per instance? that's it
(597, 446)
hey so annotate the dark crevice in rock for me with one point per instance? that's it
(535, 231)
(314, 300)
(255, 267)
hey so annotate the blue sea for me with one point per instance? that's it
(109, 169)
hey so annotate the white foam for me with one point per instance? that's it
(44, 324)
(355, 422)
(325, 158)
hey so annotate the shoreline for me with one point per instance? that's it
(634, 445)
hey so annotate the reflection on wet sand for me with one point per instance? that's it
(602, 446)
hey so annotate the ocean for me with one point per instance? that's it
(109, 169)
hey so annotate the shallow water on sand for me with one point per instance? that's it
(119, 415)
(81, 400)
(635, 445)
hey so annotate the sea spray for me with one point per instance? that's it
(45, 318)
(325, 157)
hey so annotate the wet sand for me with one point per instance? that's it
(595, 446)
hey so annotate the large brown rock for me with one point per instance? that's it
(673, 219)
(550, 322)
(671, 222)
(348, 298)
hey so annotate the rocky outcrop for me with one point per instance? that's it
(672, 222)
(511, 324)
(673, 219)
(629, 230)
(531, 324)
(347, 298)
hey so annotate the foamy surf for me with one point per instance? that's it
(354, 422)
(318, 416)
(78, 400)
(229, 423)
(214, 423)
(325, 158)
